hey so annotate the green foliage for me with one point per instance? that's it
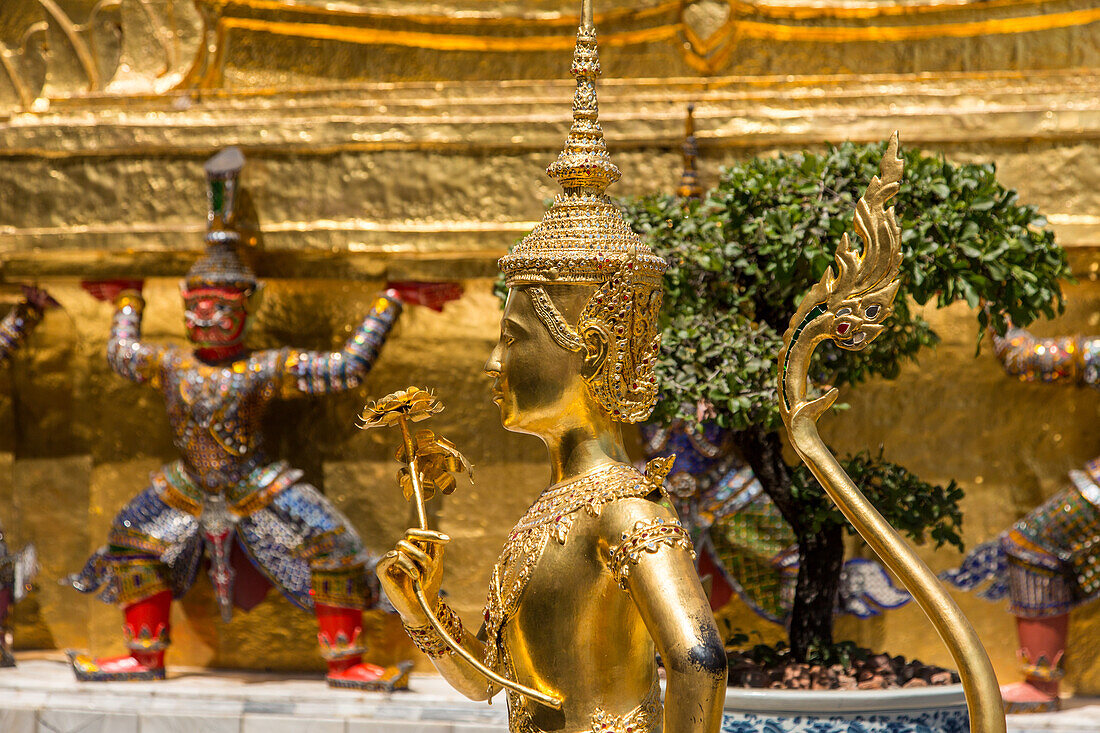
(734, 638)
(844, 653)
(742, 259)
(914, 507)
(712, 350)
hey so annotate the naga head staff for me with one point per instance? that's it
(850, 304)
(861, 295)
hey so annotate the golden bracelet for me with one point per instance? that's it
(428, 641)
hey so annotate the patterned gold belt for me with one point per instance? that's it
(646, 718)
(178, 490)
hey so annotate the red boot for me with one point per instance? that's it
(146, 629)
(341, 629)
(1042, 644)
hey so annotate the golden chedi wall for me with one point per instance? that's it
(398, 139)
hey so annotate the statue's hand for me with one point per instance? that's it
(431, 295)
(109, 290)
(39, 298)
(418, 557)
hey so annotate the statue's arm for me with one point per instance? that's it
(15, 327)
(321, 372)
(650, 556)
(455, 670)
(1066, 359)
(419, 559)
(137, 360)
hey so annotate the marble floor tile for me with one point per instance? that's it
(253, 723)
(18, 720)
(397, 726)
(479, 728)
(184, 723)
(82, 721)
(1076, 718)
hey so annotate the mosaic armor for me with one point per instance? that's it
(741, 540)
(19, 322)
(1048, 562)
(17, 569)
(225, 488)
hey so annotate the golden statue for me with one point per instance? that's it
(848, 306)
(597, 577)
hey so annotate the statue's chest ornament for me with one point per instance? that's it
(552, 517)
(206, 392)
(211, 399)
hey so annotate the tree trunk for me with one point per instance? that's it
(820, 554)
(820, 559)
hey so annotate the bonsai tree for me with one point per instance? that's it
(741, 259)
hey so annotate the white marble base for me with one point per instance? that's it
(41, 696)
(1078, 715)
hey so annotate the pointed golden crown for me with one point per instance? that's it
(583, 238)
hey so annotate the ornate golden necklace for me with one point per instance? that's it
(551, 515)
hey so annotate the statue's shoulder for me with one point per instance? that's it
(588, 494)
(644, 501)
(617, 483)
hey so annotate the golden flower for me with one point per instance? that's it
(413, 404)
(436, 459)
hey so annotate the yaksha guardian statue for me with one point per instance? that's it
(596, 578)
(226, 497)
(1049, 562)
(17, 568)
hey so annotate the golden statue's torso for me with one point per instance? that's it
(552, 587)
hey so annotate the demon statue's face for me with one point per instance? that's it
(216, 316)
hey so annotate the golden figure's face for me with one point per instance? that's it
(538, 385)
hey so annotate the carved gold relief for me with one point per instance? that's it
(160, 43)
(708, 31)
(53, 49)
(85, 49)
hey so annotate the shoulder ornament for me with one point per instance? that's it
(647, 536)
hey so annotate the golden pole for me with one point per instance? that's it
(414, 474)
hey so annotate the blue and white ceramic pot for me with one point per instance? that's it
(939, 709)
